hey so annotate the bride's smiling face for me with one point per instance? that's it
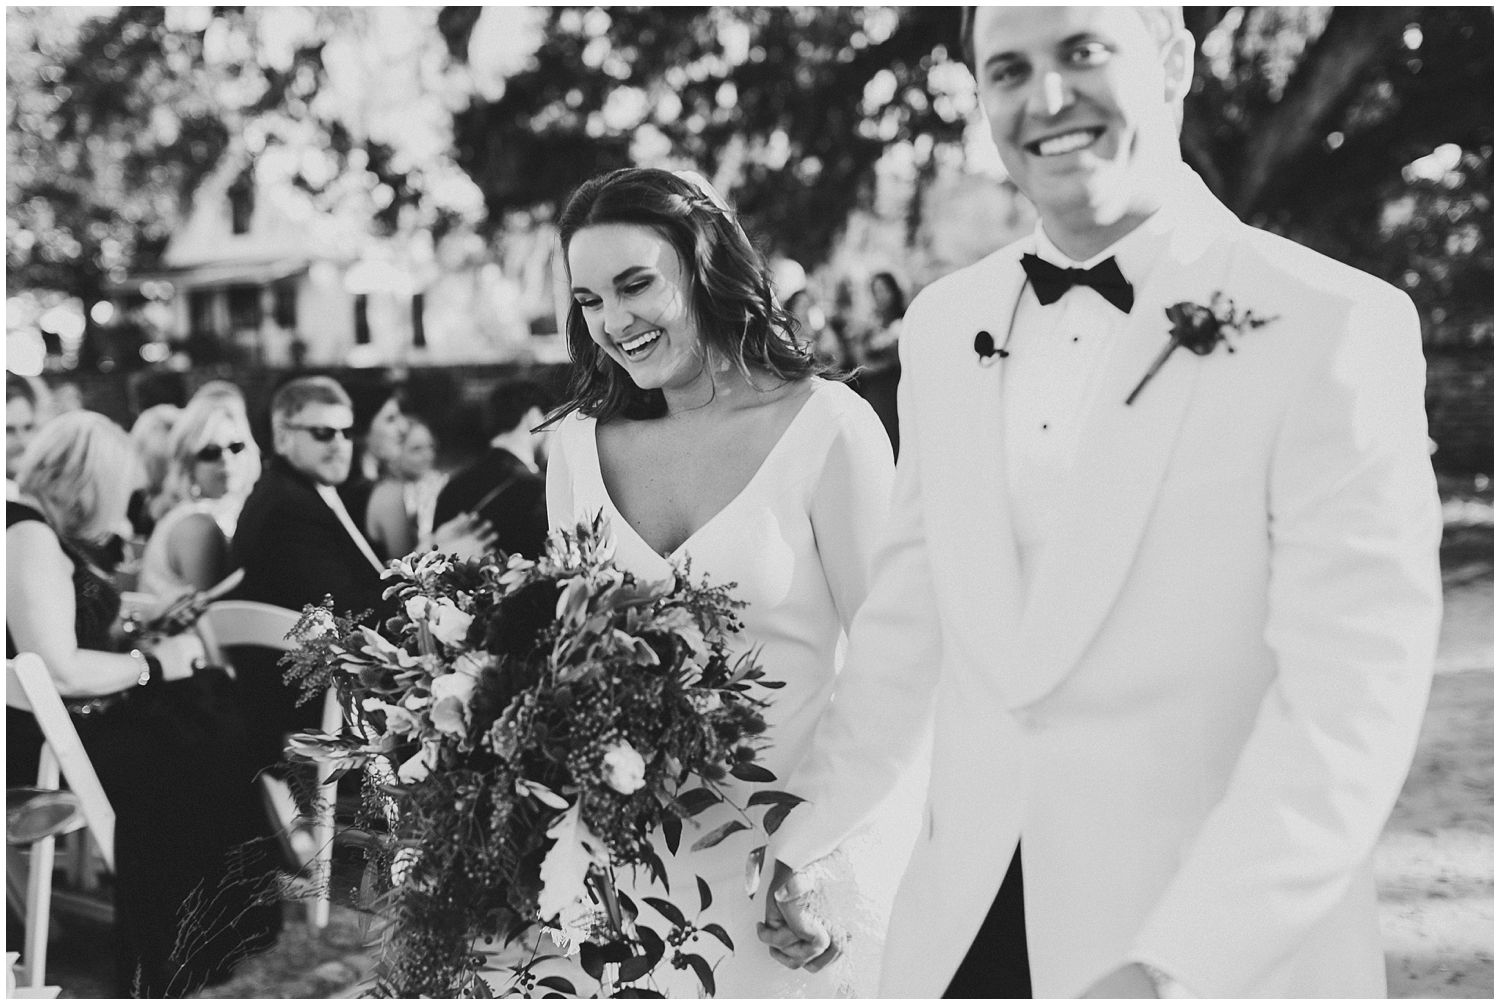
(632, 290)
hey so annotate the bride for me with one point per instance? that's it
(698, 424)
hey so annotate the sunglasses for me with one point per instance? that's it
(324, 434)
(214, 451)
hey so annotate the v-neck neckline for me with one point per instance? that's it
(765, 464)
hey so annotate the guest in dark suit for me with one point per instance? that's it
(297, 544)
(504, 487)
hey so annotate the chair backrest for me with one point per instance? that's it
(29, 687)
(230, 623)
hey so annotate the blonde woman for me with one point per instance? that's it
(227, 395)
(210, 469)
(190, 890)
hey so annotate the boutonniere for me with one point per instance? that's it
(1200, 329)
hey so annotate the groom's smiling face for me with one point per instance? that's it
(1083, 104)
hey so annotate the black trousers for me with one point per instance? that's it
(996, 965)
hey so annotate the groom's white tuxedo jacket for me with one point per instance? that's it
(1199, 716)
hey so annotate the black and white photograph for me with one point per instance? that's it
(750, 502)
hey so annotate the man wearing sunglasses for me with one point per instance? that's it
(298, 543)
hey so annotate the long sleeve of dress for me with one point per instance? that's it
(850, 505)
(877, 725)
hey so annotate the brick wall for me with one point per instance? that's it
(1461, 409)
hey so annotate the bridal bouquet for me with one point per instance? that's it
(525, 729)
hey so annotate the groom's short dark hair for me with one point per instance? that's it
(1162, 22)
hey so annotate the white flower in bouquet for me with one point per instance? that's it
(473, 664)
(704, 702)
(417, 607)
(574, 926)
(318, 624)
(448, 624)
(624, 768)
(451, 695)
(398, 721)
(379, 648)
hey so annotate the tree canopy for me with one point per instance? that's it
(787, 107)
(1366, 132)
(115, 119)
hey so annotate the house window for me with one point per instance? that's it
(418, 332)
(201, 312)
(241, 203)
(361, 319)
(244, 308)
(285, 308)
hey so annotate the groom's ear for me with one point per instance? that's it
(1177, 65)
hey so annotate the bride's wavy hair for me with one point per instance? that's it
(730, 291)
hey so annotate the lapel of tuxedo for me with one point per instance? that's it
(1122, 457)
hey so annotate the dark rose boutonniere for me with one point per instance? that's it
(1200, 329)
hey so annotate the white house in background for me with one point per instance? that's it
(278, 282)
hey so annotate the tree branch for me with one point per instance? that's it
(1327, 76)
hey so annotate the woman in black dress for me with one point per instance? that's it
(195, 886)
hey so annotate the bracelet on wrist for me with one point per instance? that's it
(144, 677)
(151, 672)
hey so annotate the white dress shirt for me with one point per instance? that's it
(1051, 379)
(1051, 382)
(331, 497)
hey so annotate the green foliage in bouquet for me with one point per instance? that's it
(525, 729)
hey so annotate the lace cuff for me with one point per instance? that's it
(855, 923)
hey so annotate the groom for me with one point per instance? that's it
(1177, 634)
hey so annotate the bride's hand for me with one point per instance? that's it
(796, 936)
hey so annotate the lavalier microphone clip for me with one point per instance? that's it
(985, 348)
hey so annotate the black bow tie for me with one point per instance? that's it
(1052, 282)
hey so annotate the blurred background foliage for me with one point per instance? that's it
(1365, 132)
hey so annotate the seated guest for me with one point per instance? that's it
(193, 885)
(227, 395)
(382, 440)
(20, 425)
(209, 471)
(224, 392)
(297, 543)
(151, 435)
(504, 487)
(400, 511)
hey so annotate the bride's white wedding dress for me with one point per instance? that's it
(798, 541)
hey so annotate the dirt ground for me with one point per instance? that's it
(1434, 863)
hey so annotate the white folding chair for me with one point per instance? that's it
(230, 623)
(29, 687)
